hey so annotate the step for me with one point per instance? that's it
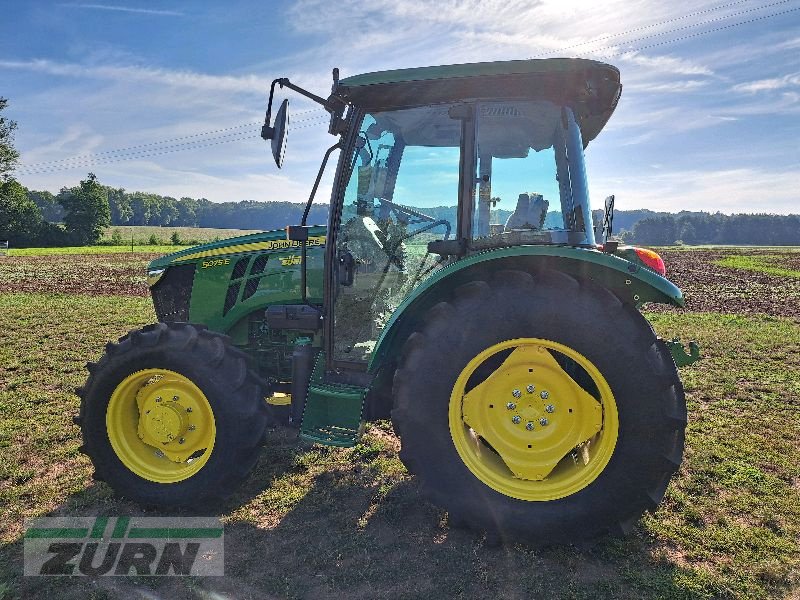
(332, 414)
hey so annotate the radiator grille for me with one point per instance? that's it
(172, 293)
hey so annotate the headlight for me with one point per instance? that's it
(153, 275)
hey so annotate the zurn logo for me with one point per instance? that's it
(95, 546)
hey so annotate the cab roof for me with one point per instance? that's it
(590, 88)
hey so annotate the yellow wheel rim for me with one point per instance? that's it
(160, 425)
(525, 427)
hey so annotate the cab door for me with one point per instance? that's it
(402, 193)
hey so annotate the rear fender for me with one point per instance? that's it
(632, 283)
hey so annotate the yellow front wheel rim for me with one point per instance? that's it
(160, 425)
(525, 427)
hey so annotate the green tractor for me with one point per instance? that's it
(461, 288)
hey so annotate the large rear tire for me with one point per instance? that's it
(539, 408)
(172, 416)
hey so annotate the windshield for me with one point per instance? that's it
(530, 180)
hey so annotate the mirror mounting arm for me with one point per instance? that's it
(266, 131)
(284, 82)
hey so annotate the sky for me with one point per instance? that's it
(168, 97)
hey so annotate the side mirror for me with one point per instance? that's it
(279, 133)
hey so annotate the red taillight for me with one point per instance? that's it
(652, 260)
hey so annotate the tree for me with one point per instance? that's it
(120, 204)
(87, 211)
(143, 208)
(8, 155)
(51, 209)
(658, 230)
(168, 212)
(20, 218)
(187, 212)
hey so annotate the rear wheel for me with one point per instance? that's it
(171, 415)
(539, 408)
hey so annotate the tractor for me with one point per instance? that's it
(462, 288)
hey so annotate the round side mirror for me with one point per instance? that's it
(281, 132)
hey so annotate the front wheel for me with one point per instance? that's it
(172, 416)
(539, 408)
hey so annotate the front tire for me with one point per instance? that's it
(539, 408)
(172, 416)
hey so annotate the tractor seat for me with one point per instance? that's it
(529, 214)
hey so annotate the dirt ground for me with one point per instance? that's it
(708, 286)
(95, 274)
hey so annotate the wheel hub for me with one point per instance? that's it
(170, 419)
(532, 442)
(163, 423)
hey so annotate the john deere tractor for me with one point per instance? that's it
(461, 288)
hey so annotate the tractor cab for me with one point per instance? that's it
(440, 163)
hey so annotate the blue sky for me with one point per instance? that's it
(710, 121)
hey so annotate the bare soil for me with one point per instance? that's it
(709, 287)
(93, 274)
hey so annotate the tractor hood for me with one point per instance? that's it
(220, 283)
(266, 241)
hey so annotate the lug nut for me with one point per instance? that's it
(544, 395)
(511, 406)
(530, 389)
(516, 393)
(191, 428)
(543, 422)
(550, 408)
(188, 409)
(529, 426)
(158, 399)
(159, 454)
(174, 398)
(516, 419)
(180, 441)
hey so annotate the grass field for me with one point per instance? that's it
(316, 522)
(765, 263)
(156, 250)
(141, 234)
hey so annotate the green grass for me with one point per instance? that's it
(141, 233)
(91, 250)
(763, 263)
(141, 236)
(318, 521)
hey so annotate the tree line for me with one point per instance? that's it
(143, 208)
(707, 228)
(77, 216)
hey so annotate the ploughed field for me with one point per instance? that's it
(322, 522)
(737, 280)
(95, 274)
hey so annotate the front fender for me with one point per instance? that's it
(630, 282)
